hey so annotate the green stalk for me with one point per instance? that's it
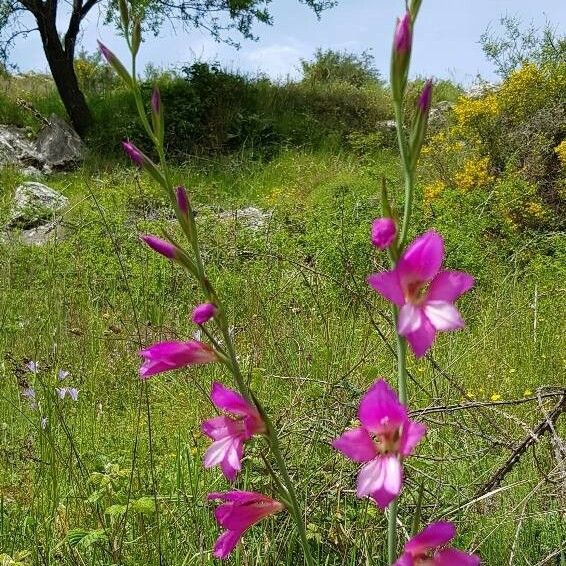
(392, 532)
(408, 173)
(188, 225)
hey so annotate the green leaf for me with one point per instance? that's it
(144, 505)
(115, 510)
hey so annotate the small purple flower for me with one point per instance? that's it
(383, 232)
(182, 199)
(203, 313)
(162, 247)
(403, 35)
(29, 394)
(63, 374)
(73, 393)
(33, 366)
(133, 153)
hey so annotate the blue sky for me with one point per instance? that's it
(446, 38)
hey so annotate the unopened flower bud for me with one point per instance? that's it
(403, 35)
(383, 232)
(136, 37)
(203, 313)
(420, 122)
(115, 63)
(182, 199)
(160, 246)
(133, 153)
(425, 98)
(400, 56)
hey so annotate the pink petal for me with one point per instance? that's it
(381, 479)
(443, 316)
(219, 450)
(241, 516)
(230, 401)
(380, 409)
(409, 320)
(421, 260)
(370, 477)
(449, 285)
(387, 284)
(229, 472)
(237, 496)
(165, 356)
(454, 557)
(421, 340)
(356, 444)
(404, 560)
(220, 427)
(226, 543)
(393, 481)
(411, 436)
(431, 537)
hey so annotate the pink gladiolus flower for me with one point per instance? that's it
(160, 246)
(402, 40)
(167, 356)
(384, 439)
(133, 153)
(182, 199)
(230, 433)
(423, 311)
(238, 512)
(428, 548)
(383, 232)
(203, 313)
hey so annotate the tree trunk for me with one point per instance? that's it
(63, 72)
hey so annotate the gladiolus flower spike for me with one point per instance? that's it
(429, 547)
(238, 512)
(167, 356)
(229, 433)
(424, 294)
(384, 439)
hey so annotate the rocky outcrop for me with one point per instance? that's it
(57, 147)
(35, 214)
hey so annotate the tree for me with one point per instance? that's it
(340, 66)
(219, 17)
(513, 45)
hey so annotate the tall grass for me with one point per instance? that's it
(89, 488)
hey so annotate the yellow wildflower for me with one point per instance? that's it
(495, 397)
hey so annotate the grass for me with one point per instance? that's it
(116, 478)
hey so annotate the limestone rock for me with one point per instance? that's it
(35, 205)
(59, 145)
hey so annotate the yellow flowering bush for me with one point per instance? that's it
(504, 152)
(560, 150)
(474, 174)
